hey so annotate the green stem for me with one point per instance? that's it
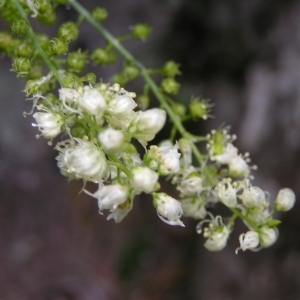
(144, 73)
(37, 45)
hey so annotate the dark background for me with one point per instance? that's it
(245, 56)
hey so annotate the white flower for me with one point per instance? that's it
(248, 240)
(217, 237)
(168, 209)
(194, 208)
(120, 212)
(238, 167)
(68, 95)
(144, 179)
(190, 186)
(169, 159)
(121, 105)
(267, 236)
(111, 139)
(226, 193)
(92, 102)
(229, 152)
(48, 123)
(253, 197)
(148, 123)
(110, 196)
(285, 200)
(83, 160)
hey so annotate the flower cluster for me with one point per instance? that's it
(95, 128)
(101, 121)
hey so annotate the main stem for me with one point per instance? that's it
(144, 73)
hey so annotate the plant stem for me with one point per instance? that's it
(37, 45)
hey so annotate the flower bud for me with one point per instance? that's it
(226, 193)
(92, 102)
(21, 66)
(191, 185)
(103, 56)
(238, 167)
(253, 197)
(148, 123)
(200, 109)
(170, 86)
(267, 236)
(58, 46)
(76, 61)
(169, 159)
(111, 139)
(170, 69)
(99, 14)
(141, 31)
(20, 27)
(68, 32)
(144, 179)
(168, 209)
(121, 105)
(84, 160)
(110, 196)
(248, 240)
(217, 236)
(285, 200)
(48, 123)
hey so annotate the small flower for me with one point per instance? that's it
(144, 179)
(120, 212)
(238, 167)
(253, 197)
(110, 196)
(194, 208)
(216, 233)
(226, 193)
(267, 236)
(248, 240)
(83, 160)
(111, 139)
(191, 185)
(285, 200)
(92, 102)
(169, 159)
(229, 152)
(148, 123)
(168, 209)
(48, 123)
(122, 104)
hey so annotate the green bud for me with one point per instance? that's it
(103, 56)
(170, 69)
(143, 101)
(58, 46)
(90, 78)
(24, 49)
(273, 223)
(68, 32)
(43, 41)
(21, 66)
(140, 31)
(72, 81)
(76, 61)
(20, 27)
(179, 109)
(48, 17)
(170, 86)
(36, 71)
(200, 109)
(5, 40)
(130, 72)
(119, 78)
(78, 131)
(9, 12)
(42, 6)
(51, 98)
(99, 14)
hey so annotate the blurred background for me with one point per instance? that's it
(245, 56)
